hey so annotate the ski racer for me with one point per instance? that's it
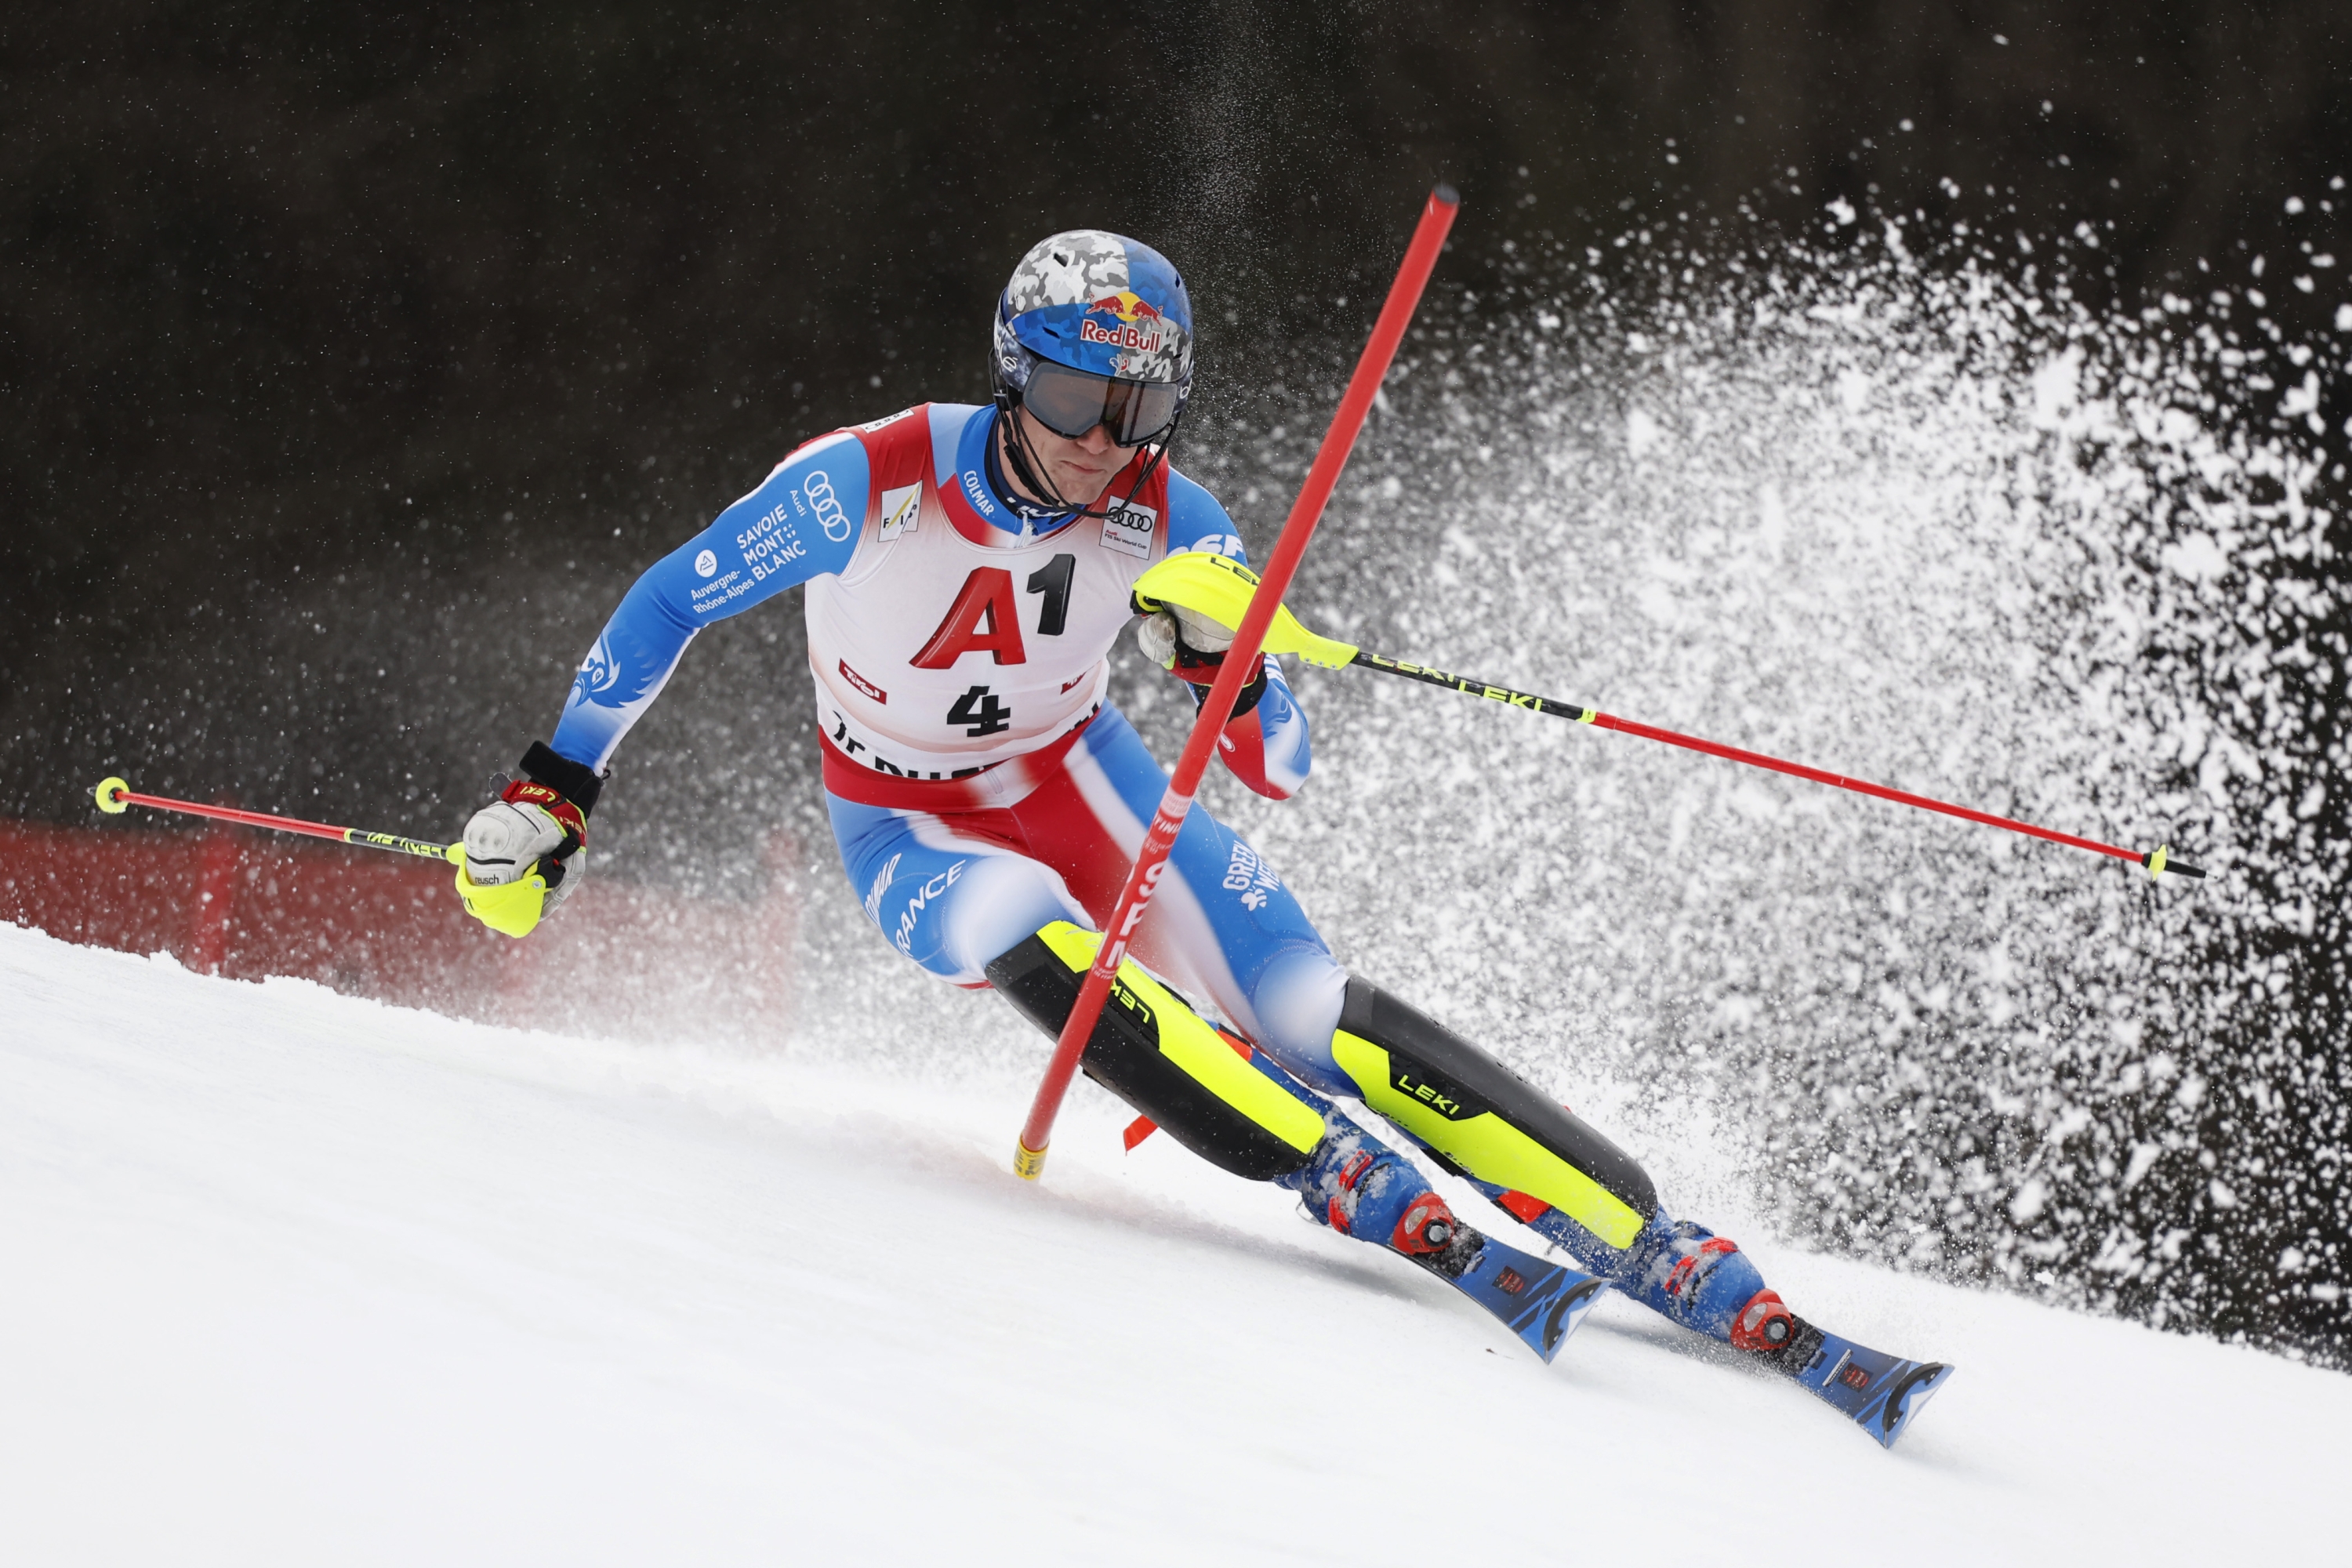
(968, 570)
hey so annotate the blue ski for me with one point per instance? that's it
(1541, 1302)
(1877, 1392)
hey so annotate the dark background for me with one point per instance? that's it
(477, 306)
(355, 361)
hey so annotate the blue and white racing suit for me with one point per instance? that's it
(981, 788)
(978, 784)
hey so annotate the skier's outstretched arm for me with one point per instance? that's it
(1266, 743)
(800, 522)
(525, 851)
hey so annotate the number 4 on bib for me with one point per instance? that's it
(979, 708)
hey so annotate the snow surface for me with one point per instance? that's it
(292, 1277)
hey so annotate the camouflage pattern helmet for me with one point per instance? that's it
(1097, 302)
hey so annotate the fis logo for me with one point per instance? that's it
(1135, 323)
(901, 508)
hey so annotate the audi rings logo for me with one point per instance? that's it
(829, 515)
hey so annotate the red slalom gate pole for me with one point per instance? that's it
(1151, 860)
(114, 797)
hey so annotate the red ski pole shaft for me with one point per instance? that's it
(1240, 664)
(2157, 860)
(1901, 797)
(114, 796)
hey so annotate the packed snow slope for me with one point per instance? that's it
(293, 1278)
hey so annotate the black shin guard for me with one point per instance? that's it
(1157, 1054)
(1480, 1119)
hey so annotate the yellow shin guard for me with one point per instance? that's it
(1483, 1119)
(1158, 1056)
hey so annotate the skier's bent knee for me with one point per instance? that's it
(1231, 1104)
(1483, 1120)
(1543, 1166)
(1208, 1090)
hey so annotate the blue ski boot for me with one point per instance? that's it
(1361, 1187)
(1693, 1277)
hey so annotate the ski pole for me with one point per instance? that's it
(115, 797)
(2157, 860)
(1151, 860)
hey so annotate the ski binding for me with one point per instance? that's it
(1879, 1393)
(1541, 1302)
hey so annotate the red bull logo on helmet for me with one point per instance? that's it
(1135, 324)
(1126, 305)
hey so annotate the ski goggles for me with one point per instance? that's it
(1071, 402)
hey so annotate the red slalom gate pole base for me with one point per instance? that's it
(1151, 860)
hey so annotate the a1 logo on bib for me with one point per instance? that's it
(1128, 527)
(900, 509)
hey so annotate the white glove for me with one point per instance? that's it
(1173, 630)
(507, 838)
(530, 841)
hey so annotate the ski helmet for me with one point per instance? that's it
(1095, 328)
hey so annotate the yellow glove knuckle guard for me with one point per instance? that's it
(1220, 587)
(511, 909)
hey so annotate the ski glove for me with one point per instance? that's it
(1191, 645)
(527, 851)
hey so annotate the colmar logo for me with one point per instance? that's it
(1135, 324)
